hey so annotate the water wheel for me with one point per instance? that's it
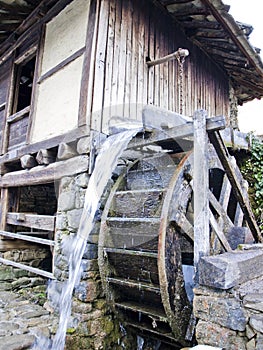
(146, 240)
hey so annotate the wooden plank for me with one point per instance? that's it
(88, 65)
(116, 54)
(99, 72)
(219, 232)
(151, 56)
(27, 238)
(27, 268)
(109, 67)
(234, 179)
(35, 87)
(230, 269)
(4, 208)
(46, 174)
(19, 115)
(39, 222)
(183, 224)
(134, 64)
(134, 284)
(225, 192)
(220, 210)
(201, 188)
(139, 253)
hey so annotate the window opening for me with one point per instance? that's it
(24, 83)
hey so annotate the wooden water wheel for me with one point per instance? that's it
(146, 239)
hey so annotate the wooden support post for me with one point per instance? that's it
(4, 208)
(201, 188)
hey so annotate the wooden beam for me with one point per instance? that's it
(28, 161)
(88, 64)
(45, 157)
(240, 195)
(220, 210)
(27, 238)
(45, 144)
(46, 174)
(183, 224)
(201, 189)
(27, 268)
(178, 132)
(219, 232)
(65, 151)
(39, 222)
(61, 65)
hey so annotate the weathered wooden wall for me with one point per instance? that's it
(95, 68)
(129, 31)
(60, 71)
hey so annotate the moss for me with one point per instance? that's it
(71, 330)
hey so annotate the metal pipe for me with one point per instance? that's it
(180, 53)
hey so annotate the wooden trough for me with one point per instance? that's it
(147, 229)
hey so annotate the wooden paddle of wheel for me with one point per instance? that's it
(146, 237)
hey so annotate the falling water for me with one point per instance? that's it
(106, 162)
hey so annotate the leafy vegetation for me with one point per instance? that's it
(252, 170)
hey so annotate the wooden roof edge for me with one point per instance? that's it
(236, 34)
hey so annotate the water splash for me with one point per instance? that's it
(106, 161)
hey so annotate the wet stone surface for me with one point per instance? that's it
(21, 322)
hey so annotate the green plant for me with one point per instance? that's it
(252, 170)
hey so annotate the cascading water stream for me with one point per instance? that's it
(106, 162)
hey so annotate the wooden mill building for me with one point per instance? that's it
(68, 66)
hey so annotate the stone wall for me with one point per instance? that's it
(22, 281)
(231, 318)
(91, 326)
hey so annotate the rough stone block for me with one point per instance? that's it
(66, 201)
(251, 345)
(82, 180)
(83, 145)
(87, 291)
(254, 301)
(61, 221)
(225, 312)
(215, 335)
(230, 269)
(74, 218)
(250, 333)
(66, 183)
(256, 322)
(91, 251)
(259, 342)
(80, 198)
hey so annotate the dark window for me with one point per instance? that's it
(23, 86)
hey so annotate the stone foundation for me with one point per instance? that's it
(22, 281)
(231, 318)
(91, 326)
